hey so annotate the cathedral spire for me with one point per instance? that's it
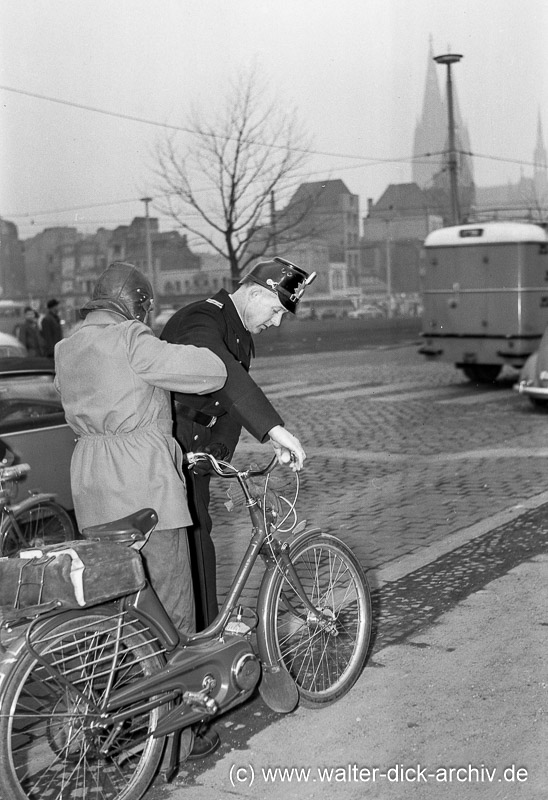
(430, 132)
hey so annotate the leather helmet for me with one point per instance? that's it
(123, 289)
(287, 280)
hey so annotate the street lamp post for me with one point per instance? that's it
(150, 266)
(448, 59)
(388, 271)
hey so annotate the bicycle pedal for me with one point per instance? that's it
(238, 627)
(242, 621)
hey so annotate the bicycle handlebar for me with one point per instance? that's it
(226, 470)
(14, 472)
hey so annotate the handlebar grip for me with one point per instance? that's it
(14, 472)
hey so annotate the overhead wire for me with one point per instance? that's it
(367, 161)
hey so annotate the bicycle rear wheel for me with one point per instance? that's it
(54, 741)
(45, 522)
(323, 652)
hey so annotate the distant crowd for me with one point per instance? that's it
(40, 333)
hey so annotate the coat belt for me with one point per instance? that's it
(196, 416)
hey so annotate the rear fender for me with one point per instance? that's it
(31, 501)
(13, 640)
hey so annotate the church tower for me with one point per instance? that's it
(431, 129)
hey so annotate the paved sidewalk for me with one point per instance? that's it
(457, 710)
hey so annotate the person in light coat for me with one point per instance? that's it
(115, 377)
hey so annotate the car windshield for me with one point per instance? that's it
(28, 401)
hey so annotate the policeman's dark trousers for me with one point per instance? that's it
(202, 550)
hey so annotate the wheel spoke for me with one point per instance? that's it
(54, 732)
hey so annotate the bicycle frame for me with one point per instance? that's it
(89, 694)
(145, 607)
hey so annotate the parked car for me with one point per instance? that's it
(33, 426)
(533, 377)
(366, 312)
(320, 307)
(11, 347)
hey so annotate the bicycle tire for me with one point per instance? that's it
(51, 735)
(46, 522)
(325, 657)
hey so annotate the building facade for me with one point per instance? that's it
(42, 254)
(13, 284)
(393, 233)
(525, 199)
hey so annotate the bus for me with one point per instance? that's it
(485, 295)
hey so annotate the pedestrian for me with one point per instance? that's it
(52, 331)
(212, 422)
(114, 377)
(29, 334)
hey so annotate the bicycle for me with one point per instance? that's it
(90, 696)
(33, 522)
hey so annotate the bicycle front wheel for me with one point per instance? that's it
(45, 522)
(55, 742)
(324, 651)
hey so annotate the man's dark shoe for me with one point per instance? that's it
(206, 741)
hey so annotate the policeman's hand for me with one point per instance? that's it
(287, 447)
(218, 450)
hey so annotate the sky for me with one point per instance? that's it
(354, 70)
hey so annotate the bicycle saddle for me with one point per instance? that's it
(132, 528)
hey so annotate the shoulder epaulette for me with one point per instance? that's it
(214, 302)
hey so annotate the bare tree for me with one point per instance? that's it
(220, 187)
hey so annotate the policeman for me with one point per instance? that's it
(225, 325)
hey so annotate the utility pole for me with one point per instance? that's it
(448, 59)
(388, 271)
(151, 273)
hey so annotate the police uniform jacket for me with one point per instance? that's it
(215, 323)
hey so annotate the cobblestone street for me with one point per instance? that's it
(439, 487)
(402, 453)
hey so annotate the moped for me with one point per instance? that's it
(97, 686)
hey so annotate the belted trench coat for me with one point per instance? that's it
(114, 377)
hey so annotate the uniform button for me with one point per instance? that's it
(216, 402)
(237, 341)
(196, 438)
